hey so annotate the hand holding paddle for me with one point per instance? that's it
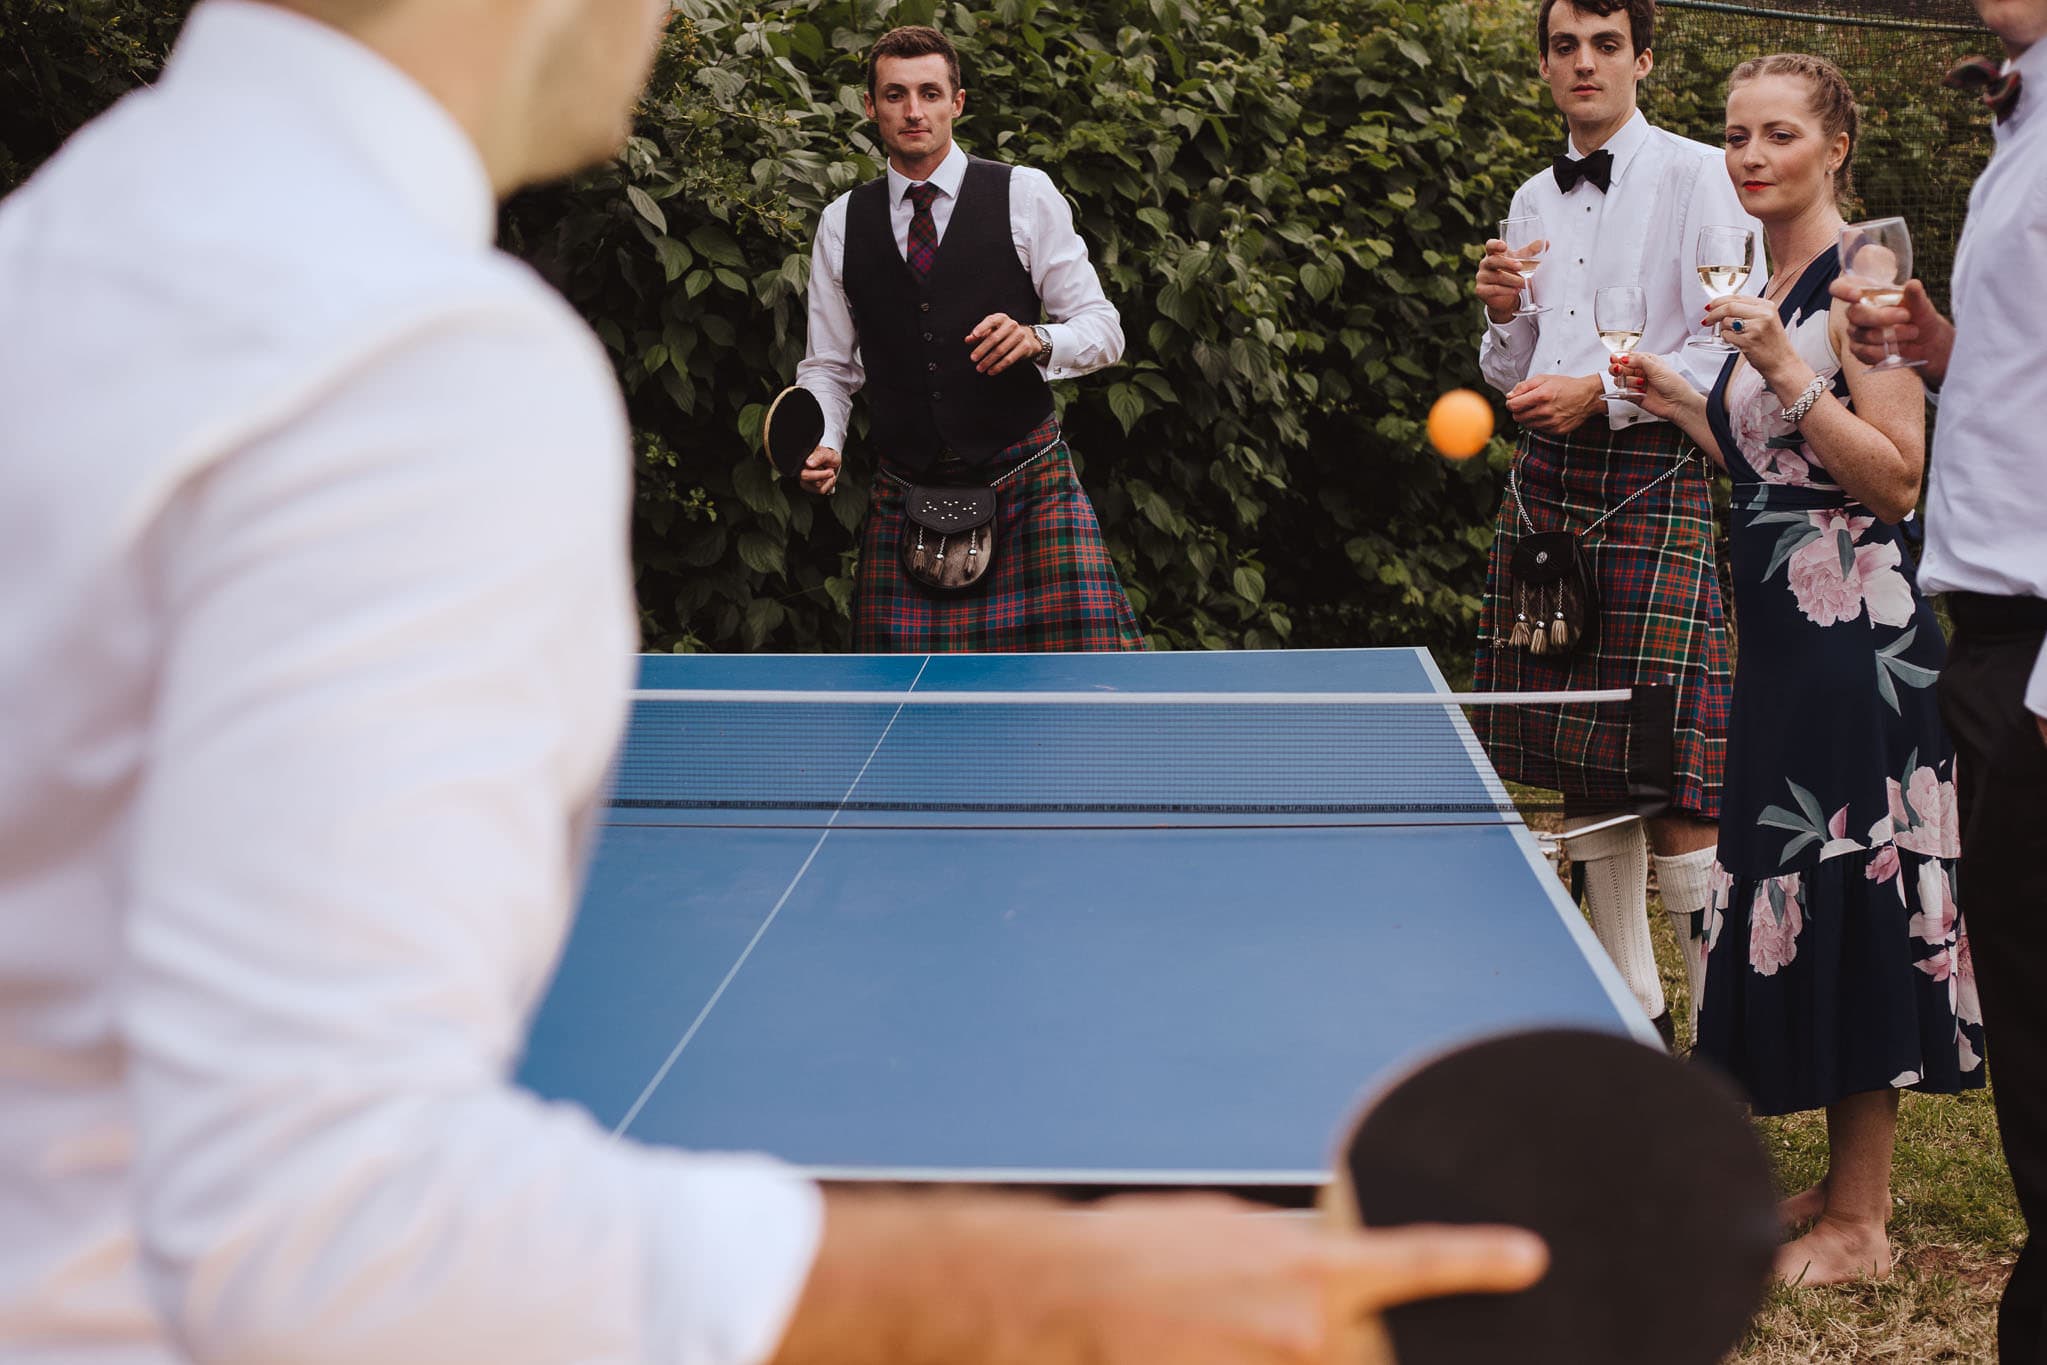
(965, 1279)
(791, 434)
(1639, 1172)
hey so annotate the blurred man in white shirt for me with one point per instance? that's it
(315, 590)
(1986, 549)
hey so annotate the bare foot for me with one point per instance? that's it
(1802, 1207)
(1835, 1252)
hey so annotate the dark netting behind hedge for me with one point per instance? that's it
(1922, 146)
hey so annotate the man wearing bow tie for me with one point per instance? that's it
(1623, 205)
(1986, 550)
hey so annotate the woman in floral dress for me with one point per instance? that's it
(1836, 969)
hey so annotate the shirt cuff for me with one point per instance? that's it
(1503, 332)
(2036, 689)
(1052, 364)
(732, 1257)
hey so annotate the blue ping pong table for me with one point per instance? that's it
(1083, 1000)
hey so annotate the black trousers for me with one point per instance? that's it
(2001, 770)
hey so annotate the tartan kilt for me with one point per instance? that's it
(1053, 587)
(1659, 616)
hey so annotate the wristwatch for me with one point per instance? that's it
(1044, 340)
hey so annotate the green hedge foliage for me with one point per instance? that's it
(1284, 201)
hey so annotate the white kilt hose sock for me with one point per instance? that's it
(1683, 881)
(1615, 863)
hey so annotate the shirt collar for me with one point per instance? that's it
(948, 177)
(1632, 137)
(2032, 68)
(406, 137)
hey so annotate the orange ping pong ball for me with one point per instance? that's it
(1460, 424)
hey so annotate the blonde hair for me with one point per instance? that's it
(1832, 102)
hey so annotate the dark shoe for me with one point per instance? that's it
(1665, 1030)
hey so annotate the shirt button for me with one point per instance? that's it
(923, 307)
(936, 395)
(929, 337)
(932, 368)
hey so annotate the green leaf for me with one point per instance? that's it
(674, 257)
(760, 553)
(1127, 403)
(643, 203)
(716, 245)
(1249, 583)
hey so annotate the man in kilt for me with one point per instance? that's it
(1623, 205)
(926, 289)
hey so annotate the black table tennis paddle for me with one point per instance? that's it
(792, 430)
(1639, 1170)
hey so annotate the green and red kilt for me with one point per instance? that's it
(1659, 615)
(1053, 587)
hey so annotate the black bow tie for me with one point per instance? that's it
(1999, 88)
(1598, 168)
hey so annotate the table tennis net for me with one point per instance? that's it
(1168, 753)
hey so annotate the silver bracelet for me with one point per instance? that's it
(1796, 413)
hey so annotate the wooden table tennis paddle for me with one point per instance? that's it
(1639, 1170)
(792, 430)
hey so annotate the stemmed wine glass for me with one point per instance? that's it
(1876, 257)
(1620, 313)
(1725, 258)
(1526, 239)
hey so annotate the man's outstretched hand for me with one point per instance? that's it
(1190, 1279)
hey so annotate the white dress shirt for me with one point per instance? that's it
(1086, 333)
(1642, 230)
(1986, 505)
(318, 621)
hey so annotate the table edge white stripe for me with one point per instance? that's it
(763, 696)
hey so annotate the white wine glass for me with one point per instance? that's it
(1527, 241)
(1726, 257)
(1876, 257)
(1620, 314)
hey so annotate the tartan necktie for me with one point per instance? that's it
(923, 244)
(1982, 76)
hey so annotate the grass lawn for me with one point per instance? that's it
(1955, 1230)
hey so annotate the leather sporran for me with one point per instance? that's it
(1555, 607)
(949, 536)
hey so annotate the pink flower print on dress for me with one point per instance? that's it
(1968, 1006)
(1925, 815)
(1719, 891)
(1834, 578)
(1756, 418)
(1935, 922)
(1884, 866)
(1774, 921)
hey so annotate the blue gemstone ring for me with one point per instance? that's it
(1736, 324)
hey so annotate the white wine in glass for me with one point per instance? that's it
(1525, 237)
(1876, 257)
(1726, 257)
(1620, 313)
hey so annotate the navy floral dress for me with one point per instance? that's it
(1836, 960)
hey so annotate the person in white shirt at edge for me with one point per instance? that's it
(1986, 550)
(1623, 205)
(926, 285)
(319, 632)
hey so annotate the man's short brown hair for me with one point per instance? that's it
(913, 40)
(1641, 20)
